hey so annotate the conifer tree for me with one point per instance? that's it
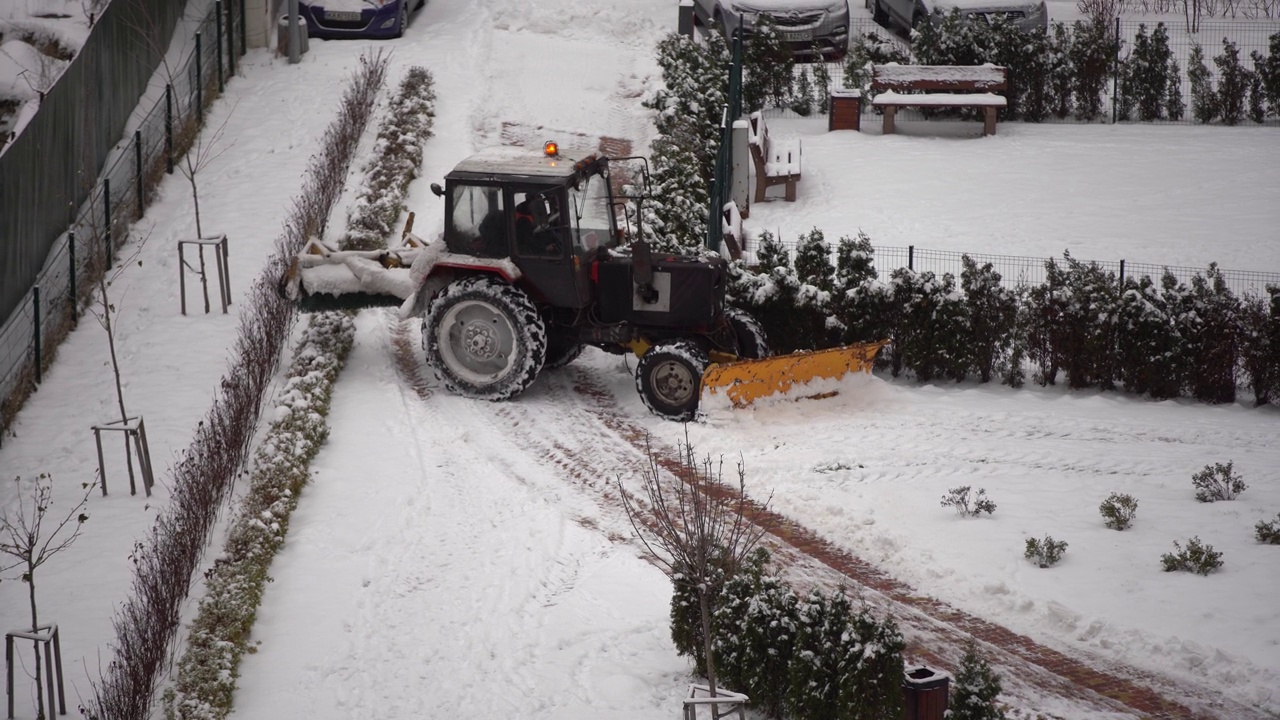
(802, 94)
(992, 312)
(863, 304)
(768, 639)
(1061, 75)
(871, 671)
(973, 696)
(1233, 83)
(1261, 345)
(814, 689)
(1091, 51)
(767, 68)
(1150, 358)
(1211, 331)
(1267, 69)
(1204, 101)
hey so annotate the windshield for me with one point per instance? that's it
(593, 224)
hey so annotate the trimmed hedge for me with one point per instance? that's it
(1163, 339)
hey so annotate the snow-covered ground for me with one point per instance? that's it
(463, 559)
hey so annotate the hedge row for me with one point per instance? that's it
(795, 657)
(165, 562)
(220, 633)
(1159, 338)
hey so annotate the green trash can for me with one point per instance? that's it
(925, 693)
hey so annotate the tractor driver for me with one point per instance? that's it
(530, 238)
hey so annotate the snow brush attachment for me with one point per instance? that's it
(745, 381)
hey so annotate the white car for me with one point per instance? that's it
(1026, 14)
(814, 29)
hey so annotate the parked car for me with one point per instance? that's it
(814, 29)
(1026, 14)
(357, 18)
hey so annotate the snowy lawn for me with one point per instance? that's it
(450, 561)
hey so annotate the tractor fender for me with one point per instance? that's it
(434, 269)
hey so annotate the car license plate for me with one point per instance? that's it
(341, 16)
(798, 36)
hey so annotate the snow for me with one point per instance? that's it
(898, 73)
(889, 97)
(458, 558)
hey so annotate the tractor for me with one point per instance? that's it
(532, 266)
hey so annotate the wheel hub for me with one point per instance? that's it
(480, 340)
(673, 382)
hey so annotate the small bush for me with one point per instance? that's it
(967, 503)
(1045, 553)
(1217, 482)
(1118, 510)
(1268, 532)
(973, 696)
(1195, 557)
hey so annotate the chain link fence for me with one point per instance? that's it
(1249, 36)
(48, 310)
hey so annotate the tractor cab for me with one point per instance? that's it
(549, 215)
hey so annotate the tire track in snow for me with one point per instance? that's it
(935, 630)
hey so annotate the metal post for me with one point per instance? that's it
(684, 22)
(199, 81)
(168, 129)
(182, 278)
(8, 664)
(231, 38)
(71, 252)
(35, 303)
(137, 164)
(106, 235)
(911, 257)
(295, 35)
(1122, 275)
(1115, 75)
(244, 32)
(217, 24)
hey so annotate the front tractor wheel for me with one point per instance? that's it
(484, 338)
(669, 378)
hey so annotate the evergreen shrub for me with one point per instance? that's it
(967, 503)
(1217, 482)
(974, 693)
(1260, 345)
(1195, 557)
(1268, 531)
(1044, 553)
(1118, 511)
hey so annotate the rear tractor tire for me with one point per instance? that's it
(561, 351)
(669, 379)
(484, 338)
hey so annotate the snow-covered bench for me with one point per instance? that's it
(776, 163)
(939, 86)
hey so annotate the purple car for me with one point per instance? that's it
(357, 18)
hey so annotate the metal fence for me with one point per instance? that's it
(1248, 35)
(119, 197)
(1018, 271)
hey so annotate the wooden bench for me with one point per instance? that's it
(939, 86)
(775, 163)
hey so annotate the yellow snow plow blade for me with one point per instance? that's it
(746, 380)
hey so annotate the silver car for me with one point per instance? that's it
(1026, 14)
(814, 29)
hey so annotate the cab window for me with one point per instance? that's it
(593, 220)
(478, 223)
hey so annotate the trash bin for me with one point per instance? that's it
(844, 111)
(282, 35)
(924, 693)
